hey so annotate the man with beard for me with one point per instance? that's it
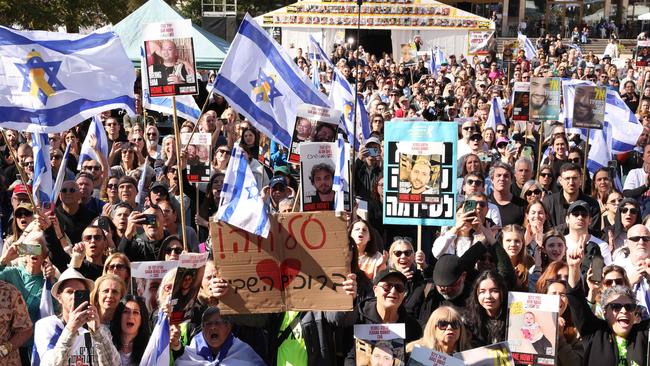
(583, 110)
(322, 178)
(538, 97)
(420, 177)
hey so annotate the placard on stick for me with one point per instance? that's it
(300, 266)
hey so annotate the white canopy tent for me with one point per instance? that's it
(438, 24)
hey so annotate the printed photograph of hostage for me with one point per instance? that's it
(170, 62)
(421, 180)
(322, 179)
(589, 107)
(545, 96)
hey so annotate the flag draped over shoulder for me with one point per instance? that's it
(157, 351)
(241, 202)
(50, 82)
(96, 129)
(263, 83)
(186, 106)
(43, 184)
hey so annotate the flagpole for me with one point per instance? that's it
(584, 162)
(196, 186)
(540, 142)
(177, 140)
(356, 102)
(21, 172)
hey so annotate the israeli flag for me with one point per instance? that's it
(314, 58)
(438, 60)
(46, 307)
(625, 127)
(60, 175)
(139, 198)
(432, 63)
(599, 152)
(186, 106)
(241, 203)
(341, 183)
(42, 183)
(496, 116)
(527, 45)
(261, 81)
(97, 130)
(157, 351)
(50, 81)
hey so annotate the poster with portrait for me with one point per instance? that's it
(169, 58)
(532, 327)
(642, 53)
(146, 278)
(318, 167)
(419, 173)
(589, 106)
(493, 354)
(480, 42)
(409, 54)
(313, 123)
(199, 156)
(545, 95)
(421, 356)
(187, 283)
(521, 101)
(379, 344)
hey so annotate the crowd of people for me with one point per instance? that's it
(536, 224)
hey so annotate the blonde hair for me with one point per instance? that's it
(94, 295)
(123, 258)
(429, 340)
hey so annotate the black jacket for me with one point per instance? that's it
(598, 338)
(140, 248)
(557, 207)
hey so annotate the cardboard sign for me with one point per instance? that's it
(545, 95)
(532, 327)
(494, 354)
(300, 266)
(521, 103)
(169, 58)
(420, 170)
(589, 106)
(186, 285)
(313, 123)
(146, 278)
(198, 156)
(421, 356)
(384, 342)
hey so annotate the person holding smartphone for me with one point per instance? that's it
(77, 333)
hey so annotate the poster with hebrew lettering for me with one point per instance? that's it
(494, 354)
(421, 356)
(379, 344)
(419, 171)
(146, 278)
(198, 156)
(187, 283)
(589, 106)
(532, 327)
(301, 265)
(313, 123)
(545, 96)
(318, 165)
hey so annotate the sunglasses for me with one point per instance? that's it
(579, 213)
(227, 152)
(116, 267)
(22, 213)
(502, 145)
(631, 210)
(137, 139)
(546, 175)
(574, 160)
(387, 287)
(29, 164)
(68, 190)
(398, 253)
(501, 131)
(56, 157)
(468, 128)
(176, 251)
(152, 134)
(111, 186)
(93, 168)
(616, 307)
(614, 282)
(444, 324)
(474, 182)
(96, 237)
(535, 192)
(481, 204)
(636, 239)
(476, 138)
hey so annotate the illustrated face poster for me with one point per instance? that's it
(521, 104)
(169, 58)
(198, 156)
(421, 356)
(419, 171)
(379, 344)
(532, 327)
(494, 354)
(589, 106)
(545, 95)
(313, 123)
(146, 278)
(318, 168)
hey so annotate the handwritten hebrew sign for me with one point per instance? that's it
(300, 266)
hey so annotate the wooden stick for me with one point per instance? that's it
(177, 141)
(584, 162)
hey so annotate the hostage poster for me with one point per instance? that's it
(545, 95)
(380, 344)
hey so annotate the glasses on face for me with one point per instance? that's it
(387, 287)
(614, 282)
(176, 251)
(474, 182)
(444, 324)
(116, 267)
(95, 237)
(631, 210)
(536, 192)
(481, 204)
(579, 213)
(636, 239)
(111, 186)
(501, 131)
(29, 164)
(546, 175)
(95, 168)
(476, 138)
(574, 160)
(56, 157)
(468, 128)
(616, 307)
(68, 190)
(152, 134)
(398, 253)
(20, 214)
(137, 139)
(227, 152)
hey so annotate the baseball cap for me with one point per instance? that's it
(579, 204)
(25, 206)
(278, 179)
(387, 273)
(447, 270)
(22, 188)
(502, 140)
(373, 140)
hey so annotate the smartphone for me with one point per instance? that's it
(30, 249)
(511, 145)
(373, 151)
(597, 265)
(149, 219)
(527, 152)
(81, 296)
(469, 206)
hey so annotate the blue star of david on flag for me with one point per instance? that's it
(264, 88)
(40, 76)
(252, 192)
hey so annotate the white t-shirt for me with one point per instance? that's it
(604, 247)
(635, 179)
(48, 331)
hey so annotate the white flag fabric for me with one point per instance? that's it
(496, 115)
(241, 202)
(96, 129)
(341, 182)
(625, 127)
(46, 307)
(43, 185)
(142, 194)
(186, 106)
(60, 175)
(50, 81)
(527, 45)
(157, 351)
(261, 81)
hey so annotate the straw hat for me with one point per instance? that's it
(71, 274)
